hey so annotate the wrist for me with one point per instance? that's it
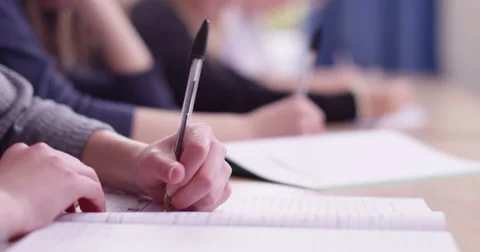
(114, 159)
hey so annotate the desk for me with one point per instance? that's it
(453, 127)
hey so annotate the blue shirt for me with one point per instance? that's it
(21, 51)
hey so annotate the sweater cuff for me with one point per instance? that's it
(74, 130)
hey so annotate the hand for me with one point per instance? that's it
(37, 183)
(378, 99)
(296, 115)
(199, 182)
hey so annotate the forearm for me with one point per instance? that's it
(113, 158)
(150, 124)
(121, 46)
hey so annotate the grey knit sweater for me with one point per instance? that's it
(24, 118)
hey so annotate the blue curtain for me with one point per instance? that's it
(397, 35)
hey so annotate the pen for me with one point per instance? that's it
(315, 42)
(197, 56)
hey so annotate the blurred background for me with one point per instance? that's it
(420, 37)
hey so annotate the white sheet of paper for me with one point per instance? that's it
(282, 211)
(345, 159)
(408, 117)
(75, 237)
(259, 204)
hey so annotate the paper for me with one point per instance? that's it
(75, 237)
(407, 117)
(337, 160)
(306, 212)
(247, 204)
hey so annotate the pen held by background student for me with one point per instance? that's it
(310, 53)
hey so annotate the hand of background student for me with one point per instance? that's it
(37, 183)
(199, 182)
(295, 115)
(379, 99)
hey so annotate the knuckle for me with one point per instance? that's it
(206, 182)
(16, 148)
(41, 147)
(54, 161)
(198, 146)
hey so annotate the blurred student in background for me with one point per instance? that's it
(40, 181)
(98, 98)
(221, 90)
(165, 24)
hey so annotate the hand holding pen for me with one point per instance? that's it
(205, 178)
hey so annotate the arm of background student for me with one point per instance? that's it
(136, 77)
(122, 48)
(221, 89)
(21, 52)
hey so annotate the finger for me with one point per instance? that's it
(216, 197)
(209, 177)
(162, 167)
(196, 147)
(90, 196)
(79, 167)
(227, 192)
(15, 149)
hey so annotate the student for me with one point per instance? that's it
(21, 51)
(242, 46)
(167, 25)
(199, 180)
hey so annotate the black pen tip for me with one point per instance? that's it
(316, 39)
(200, 43)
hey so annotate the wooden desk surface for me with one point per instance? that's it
(453, 127)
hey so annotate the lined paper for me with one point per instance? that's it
(246, 204)
(66, 237)
(397, 221)
(306, 211)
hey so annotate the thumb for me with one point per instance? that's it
(163, 167)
